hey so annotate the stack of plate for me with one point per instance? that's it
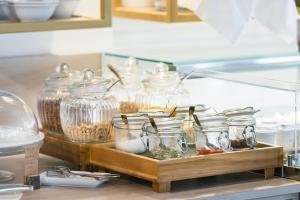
(36, 10)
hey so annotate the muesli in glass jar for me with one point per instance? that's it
(87, 113)
(56, 88)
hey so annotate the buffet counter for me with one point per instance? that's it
(235, 186)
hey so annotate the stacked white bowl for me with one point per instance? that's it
(36, 10)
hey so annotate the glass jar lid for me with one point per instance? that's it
(90, 84)
(63, 76)
(220, 117)
(242, 121)
(162, 78)
(240, 111)
(168, 132)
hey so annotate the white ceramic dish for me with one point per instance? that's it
(138, 3)
(65, 9)
(15, 148)
(34, 11)
(72, 181)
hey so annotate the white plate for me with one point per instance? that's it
(72, 181)
(18, 147)
(11, 196)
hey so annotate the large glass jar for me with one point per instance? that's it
(87, 113)
(56, 88)
(132, 75)
(162, 90)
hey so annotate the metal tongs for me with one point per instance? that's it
(11, 188)
(64, 172)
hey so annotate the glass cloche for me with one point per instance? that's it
(18, 127)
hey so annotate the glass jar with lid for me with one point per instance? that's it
(165, 143)
(128, 131)
(242, 132)
(187, 113)
(56, 88)
(212, 139)
(87, 113)
(211, 134)
(162, 90)
(242, 123)
(131, 75)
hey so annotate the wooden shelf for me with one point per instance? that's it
(171, 14)
(75, 22)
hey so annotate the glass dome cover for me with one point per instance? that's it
(18, 124)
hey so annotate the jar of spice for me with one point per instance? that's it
(56, 88)
(212, 139)
(241, 123)
(242, 132)
(211, 133)
(87, 113)
(165, 143)
(162, 90)
(128, 131)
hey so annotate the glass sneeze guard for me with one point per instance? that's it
(280, 73)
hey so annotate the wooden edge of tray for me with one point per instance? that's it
(264, 157)
(57, 145)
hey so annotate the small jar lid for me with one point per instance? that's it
(90, 84)
(242, 121)
(167, 132)
(240, 111)
(215, 129)
(63, 76)
(220, 117)
(162, 78)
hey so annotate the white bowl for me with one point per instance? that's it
(34, 12)
(65, 9)
(7, 13)
(138, 3)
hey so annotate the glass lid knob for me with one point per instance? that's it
(63, 68)
(161, 68)
(88, 75)
(131, 61)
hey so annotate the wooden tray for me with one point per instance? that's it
(162, 172)
(57, 145)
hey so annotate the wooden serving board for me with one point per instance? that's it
(57, 145)
(162, 172)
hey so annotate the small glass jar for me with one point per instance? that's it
(162, 90)
(87, 113)
(187, 113)
(56, 88)
(242, 132)
(128, 135)
(212, 140)
(165, 143)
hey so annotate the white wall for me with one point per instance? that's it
(175, 42)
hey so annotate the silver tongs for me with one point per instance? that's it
(11, 188)
(63, 172)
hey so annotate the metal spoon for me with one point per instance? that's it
(66, 172)
(153, 124)
(115, 72)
